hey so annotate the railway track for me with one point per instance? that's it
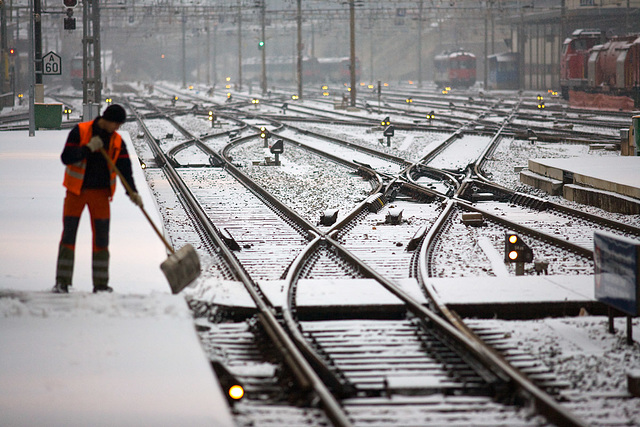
(266, 312)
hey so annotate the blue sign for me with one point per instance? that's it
(616, 272)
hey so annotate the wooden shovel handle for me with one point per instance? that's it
(130, 191)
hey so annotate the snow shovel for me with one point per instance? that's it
(182, 266)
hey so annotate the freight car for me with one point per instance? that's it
(454, 69)
(594, 65)
(614, 67)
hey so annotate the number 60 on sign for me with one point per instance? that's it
(51, 64)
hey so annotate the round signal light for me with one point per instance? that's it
(513, 255)
(236, 392)
(513, 238)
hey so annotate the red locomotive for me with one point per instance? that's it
(454, 69)
(575, 54)
(593, 65)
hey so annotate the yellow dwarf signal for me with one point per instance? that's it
(516, 250)
(236, 392)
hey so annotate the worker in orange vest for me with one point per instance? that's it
(90, 182)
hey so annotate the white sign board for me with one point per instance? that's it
(51, 64)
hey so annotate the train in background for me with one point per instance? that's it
(75, 69)
(314, 70)
(75, 72)
(455, 69)
(596, 64)
(504, 71)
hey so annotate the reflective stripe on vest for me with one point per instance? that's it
(74, 173)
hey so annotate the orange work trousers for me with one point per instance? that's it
(98, 202)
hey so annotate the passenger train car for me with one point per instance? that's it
(454, 69)
(504, 71)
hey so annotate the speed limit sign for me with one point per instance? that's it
(51, 64)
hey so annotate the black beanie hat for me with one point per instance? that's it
(115, 113)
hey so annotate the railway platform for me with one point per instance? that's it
(610, 183)
(507, 297)
(128, 358)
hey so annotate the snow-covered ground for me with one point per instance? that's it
(64, 354)
(127, 358)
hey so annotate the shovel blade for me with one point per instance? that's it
(181, 268)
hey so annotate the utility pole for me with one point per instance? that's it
(4, 48)
(420, 44)
(184, 50)
(263, 81)
(32, 73)
(239, 45)
(208, 51)
(486, 48)
(91, 69)
(352, 55)
(215, 55)
(37, 34)
(299, 45)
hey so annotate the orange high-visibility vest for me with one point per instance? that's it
(74, 173)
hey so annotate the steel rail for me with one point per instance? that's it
(545, 404)
(494, 365)
(306, 377)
